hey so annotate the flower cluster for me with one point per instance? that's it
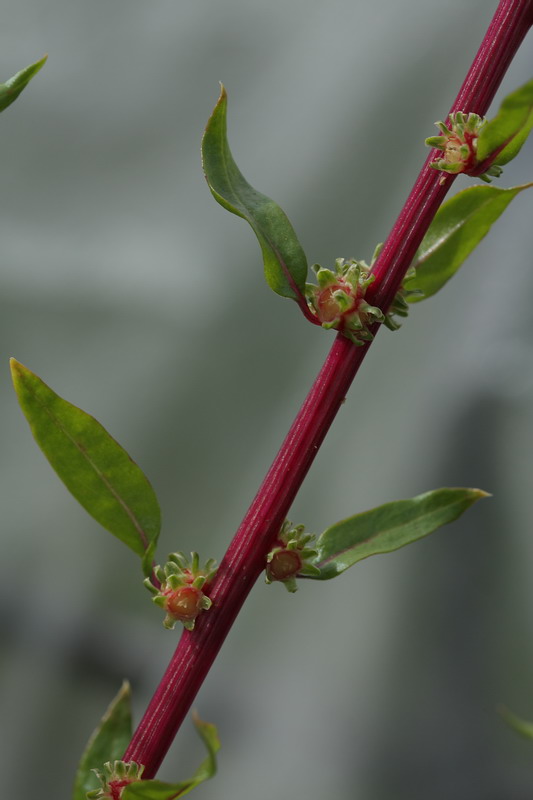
(180, 592)
(458, 143)
(339, 299)
(113, 778)
(290, 555)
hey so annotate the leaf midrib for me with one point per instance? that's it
(129, 513)
(385, 530)
(442, 241)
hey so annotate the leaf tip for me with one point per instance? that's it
(218, 111)
(17, 370)
(479, 494)
(207, 731)
(519, 725)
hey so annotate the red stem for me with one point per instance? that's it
(245, 558)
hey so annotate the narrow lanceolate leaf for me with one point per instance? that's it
(284, 260)
(459, 225)
(521, 726)
(10, 90)
(388, 527)
(107, 743)
(157, 790)
(91, 464)
(507, 132)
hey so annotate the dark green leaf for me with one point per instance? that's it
(91, 464)
(388, 527)
(157, 790)
(284, 260)
(519, 725)
(459, 225)
(10, 90)
(508, 131)
(108, 742)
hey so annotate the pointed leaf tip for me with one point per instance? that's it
(522, 726)
(107, 743)
(10, 90)
(92, 465)
(389, 527)
(285, 263)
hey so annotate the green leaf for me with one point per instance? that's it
(508, 131)
(388, 527)
(108, 742)
(459, 225)
(157, 790)
(91, 464)
(284, 260)
(519, 725)
(10, 90)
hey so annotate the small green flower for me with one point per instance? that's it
(180, 592)
(113, 778)
(339, 300)
(290, 556)
(459, 145)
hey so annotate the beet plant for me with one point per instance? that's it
(351, 299)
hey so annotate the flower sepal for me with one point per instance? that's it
(181, 590)
(458, 142)
(338, 301)
(291, 557)
(400, 305)
(114, 777)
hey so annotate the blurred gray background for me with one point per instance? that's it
(134, 295)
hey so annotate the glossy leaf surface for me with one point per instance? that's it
(284, 260)
(521, 726)
(92, 465)
(388, 527)
(10, 90)
(508, 131)
(157, 790)
(108, 742)
(459, 225)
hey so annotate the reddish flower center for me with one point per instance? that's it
(184, 603)
(328, 305)
(284, 564)
(452, 152)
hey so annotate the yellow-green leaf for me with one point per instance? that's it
(92, 465)
(10, 90)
